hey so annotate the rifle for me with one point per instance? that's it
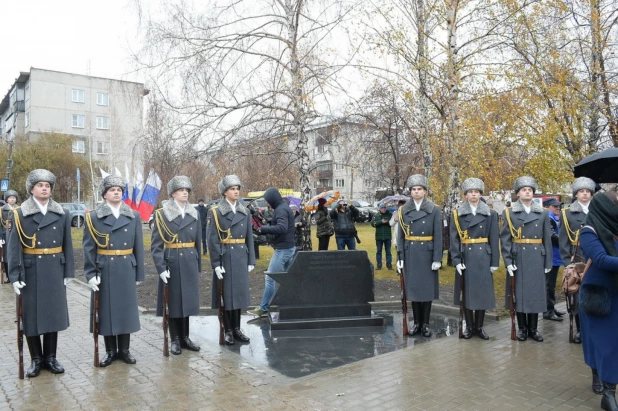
(95, 320)
(512, 309)
(166, 346)
(461, 301)
(20, 331)
(404, 299)
(222, 319)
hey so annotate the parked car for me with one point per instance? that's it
(77, 213)
(365, 210)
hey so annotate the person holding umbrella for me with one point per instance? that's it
(573, 219)
(325, 229)
(420, 251)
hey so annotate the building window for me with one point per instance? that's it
(102, 147)
(325, 182)
(339, 182)
(102, 99)
(27, 92)
(103, 123)
(78, 121)
(79, 146)
(27, 119)
(338, 166)
(77, 96)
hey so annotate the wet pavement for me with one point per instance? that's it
(361, 369)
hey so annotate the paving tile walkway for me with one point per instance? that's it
(448, 374)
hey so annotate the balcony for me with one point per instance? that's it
(325, 174)
(19, 106)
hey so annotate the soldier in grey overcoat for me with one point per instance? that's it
(40, 254)
(114, 266)
(475, 249)
(176, 251)
(419, 251)
(230, 241)
(573, 220)
(10, 197)
(527, 253)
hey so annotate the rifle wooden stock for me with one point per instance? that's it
(95, 327)
(20, 336)
(461, 304)
(404, 300)
(166, 343)
(221, 313)
(512, 309)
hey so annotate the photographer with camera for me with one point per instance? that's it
(345, 231)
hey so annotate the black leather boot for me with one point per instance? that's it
(417, 313)
(229, 335)
(608, 402)
(111, 349)
(468, 331)
(50, 344)
(479, 319)
(124, 341)
(522, 333)
(36, 356)
(533, 322)
(185, 341)
(597, 385)
(577, 337)
(174, 326)
(236, 331)
(426, 314)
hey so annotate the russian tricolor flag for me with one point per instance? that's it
(125, 196)
(150, 195)
(138, 185)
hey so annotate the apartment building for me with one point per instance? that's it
(103, 116)
(338, 154)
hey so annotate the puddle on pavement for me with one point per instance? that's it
(303, 352)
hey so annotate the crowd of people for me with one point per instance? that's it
(534, 242)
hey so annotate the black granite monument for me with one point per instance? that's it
(325, 289)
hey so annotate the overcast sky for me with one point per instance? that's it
(67, 35)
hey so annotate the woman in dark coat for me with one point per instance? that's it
(298, 231)
(325, 228)
(176, 251)
(598, 302)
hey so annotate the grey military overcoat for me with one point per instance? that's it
(185, 264)
(6, 216)
(234, 257)
(478, 258)
(44, 297)
(422, 284)
(118, 313)
(575, 219)
(531, 260)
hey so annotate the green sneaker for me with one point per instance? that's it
(258, 312)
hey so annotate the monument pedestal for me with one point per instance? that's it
(325, 289)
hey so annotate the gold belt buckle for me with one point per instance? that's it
(527, 241)
(117, 252)
(473, 240)
(46, 251)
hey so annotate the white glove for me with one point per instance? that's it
(547, 270)
(250, 268)
(67, 281)
(17, 286)
(511, 269)
(219, 271)
(435, 266)
(94, 282)
(459, 268)
(400, 265)
(165, 275)
(138, 282)
(492, 269)
(2, 242)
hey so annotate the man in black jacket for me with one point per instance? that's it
(345, 231)
(282, 228)
(202, 210)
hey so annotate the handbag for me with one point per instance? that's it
(595, 300)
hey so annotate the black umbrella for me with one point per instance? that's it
(602, 167)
